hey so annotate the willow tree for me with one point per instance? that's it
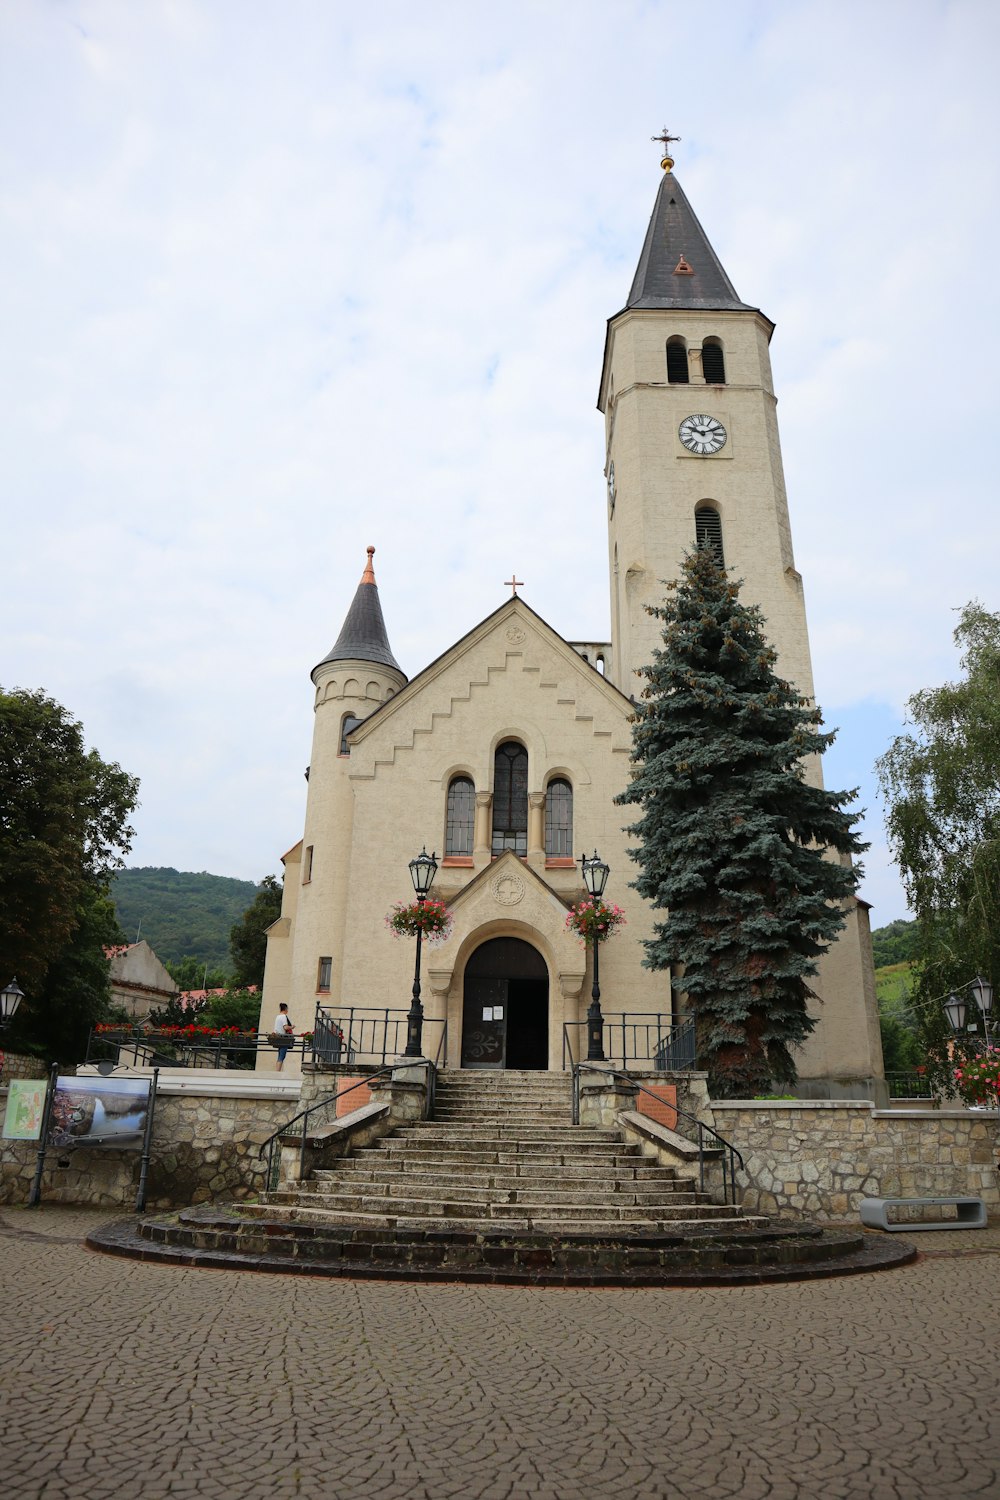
(941, 783)
(734, 843)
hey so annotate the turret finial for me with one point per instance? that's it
(368, 576)
(665, 138)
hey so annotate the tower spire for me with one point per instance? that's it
(363, 635)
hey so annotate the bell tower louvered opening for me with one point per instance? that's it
(708, 531)
(677, 362)
(713, 364)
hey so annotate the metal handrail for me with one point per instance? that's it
(730, 1153)
(375, 1032)
(303, 1115)
(667, 1041)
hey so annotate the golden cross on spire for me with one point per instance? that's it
(514, 583)
(666, 140)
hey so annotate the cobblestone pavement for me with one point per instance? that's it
(120, 1378)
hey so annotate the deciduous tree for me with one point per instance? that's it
(63, 829)
(248, 939)
(941, 783)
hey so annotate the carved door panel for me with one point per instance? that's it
(484, 1022)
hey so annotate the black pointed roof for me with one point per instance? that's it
(362, 636)
(674, 238)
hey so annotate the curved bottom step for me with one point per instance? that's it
(211, 1237)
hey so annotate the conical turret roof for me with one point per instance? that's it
(678, 267)
(362, 636)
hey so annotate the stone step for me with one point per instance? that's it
(539, 1219)
(510, 1191)
(697, 1255)
(393, 1207)
(429, 1130)
(492, 1173)
(577, 1155)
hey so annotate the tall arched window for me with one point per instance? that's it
(677, 362)
(459, 833)
(713, 365)
(510, 798)
(559, 819)
(708, 531)
(347, 723)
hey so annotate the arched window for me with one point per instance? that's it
(559, 819)
(713, 365)
(708, 531)
(677, 362)
(347, 723)
(459, 833)
(510, 798)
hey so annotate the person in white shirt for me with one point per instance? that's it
(283, 1027)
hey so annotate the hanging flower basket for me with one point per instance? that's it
(594, 921)
(432, 918)
(978, 1078)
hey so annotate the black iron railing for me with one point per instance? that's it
(662, 1043)
(369, 1036)
(271, 1145)
(728, 1154)
(908, 1086)
(143, 1046)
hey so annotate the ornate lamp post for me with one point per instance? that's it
(595, 876)
(956, 1008)
(422, 872)
(10, 998)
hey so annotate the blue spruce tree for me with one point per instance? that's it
(735, 844)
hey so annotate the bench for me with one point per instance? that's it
(971, 1213)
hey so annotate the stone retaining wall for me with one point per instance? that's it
(20, 1065)
(821, 1157)
(204, 1148)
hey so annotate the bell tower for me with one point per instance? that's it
(692, 455)
(692, 450)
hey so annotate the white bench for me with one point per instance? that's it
(971, 1213)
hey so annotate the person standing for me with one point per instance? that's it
(283, 1026)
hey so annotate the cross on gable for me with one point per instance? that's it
(514, 583)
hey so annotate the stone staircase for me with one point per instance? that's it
(501, 1153)
(500, 1186)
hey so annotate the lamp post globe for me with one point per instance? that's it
(422, 872)
(595, 878)
(954, 1009)
(10, 998)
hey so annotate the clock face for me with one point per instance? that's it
(702, 434)
(612, 492)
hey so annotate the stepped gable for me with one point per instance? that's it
(452, 679)
(501, 1187)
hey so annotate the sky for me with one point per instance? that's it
(280, 280)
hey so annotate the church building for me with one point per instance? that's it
(504, 755)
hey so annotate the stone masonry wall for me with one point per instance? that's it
(204, 1148)
(822, 1157)
(19, 1065)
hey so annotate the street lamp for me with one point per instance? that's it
(982, 992)
(422, 872)
(956, 1008)
(595, 876)
(10, 998)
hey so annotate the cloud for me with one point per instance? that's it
(278, 283)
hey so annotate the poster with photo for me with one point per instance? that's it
(22, 1119)
(99, 1112)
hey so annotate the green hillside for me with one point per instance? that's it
(180, 912)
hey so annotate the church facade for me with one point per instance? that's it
(505, 755)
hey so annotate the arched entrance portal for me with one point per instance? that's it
(505, 1009)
